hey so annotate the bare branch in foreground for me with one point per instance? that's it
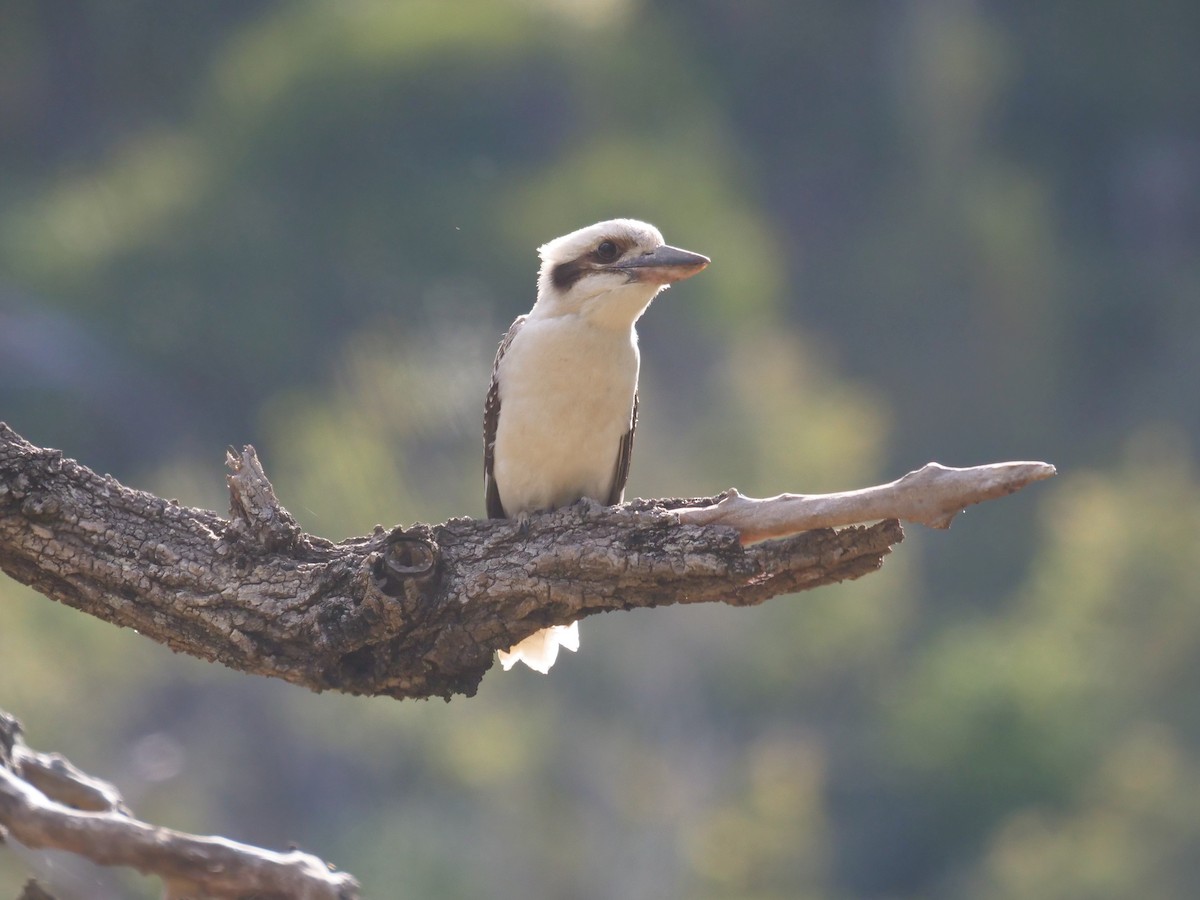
(410, 612)
(932, 495)
(34, 891)
(46, 813)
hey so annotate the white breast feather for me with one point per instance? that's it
(566, 401)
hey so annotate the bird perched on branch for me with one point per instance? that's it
(562, 407)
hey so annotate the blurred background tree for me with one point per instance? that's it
(941, 229)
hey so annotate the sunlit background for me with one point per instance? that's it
(940, 229)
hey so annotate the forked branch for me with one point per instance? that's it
(418, 611)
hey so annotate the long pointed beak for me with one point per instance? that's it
(664, 265)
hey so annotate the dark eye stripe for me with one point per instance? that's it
(564, 275)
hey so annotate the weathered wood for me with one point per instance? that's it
(45, 802)
(932, 495)
(410, 612)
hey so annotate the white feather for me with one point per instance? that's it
(540, 649)
(566, 400)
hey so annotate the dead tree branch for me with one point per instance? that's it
(932, 495)
(46, 803)
(417, 611)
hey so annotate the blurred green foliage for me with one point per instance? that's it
(940, 230)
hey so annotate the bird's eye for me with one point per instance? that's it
(607, 251)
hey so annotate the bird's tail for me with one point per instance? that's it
(540, 649)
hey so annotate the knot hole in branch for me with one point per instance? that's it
(404, 558)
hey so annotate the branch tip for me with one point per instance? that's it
(931, 495)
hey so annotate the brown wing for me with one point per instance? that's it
(491, 419)
(624, 454)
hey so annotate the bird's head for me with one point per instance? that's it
(609, 272)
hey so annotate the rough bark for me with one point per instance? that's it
(45, 802)
(410, 612)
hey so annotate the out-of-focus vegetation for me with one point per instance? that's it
(940, 230)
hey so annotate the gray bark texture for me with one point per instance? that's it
(47, 803)
(406, 612)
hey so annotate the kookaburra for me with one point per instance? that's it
(562, 408)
